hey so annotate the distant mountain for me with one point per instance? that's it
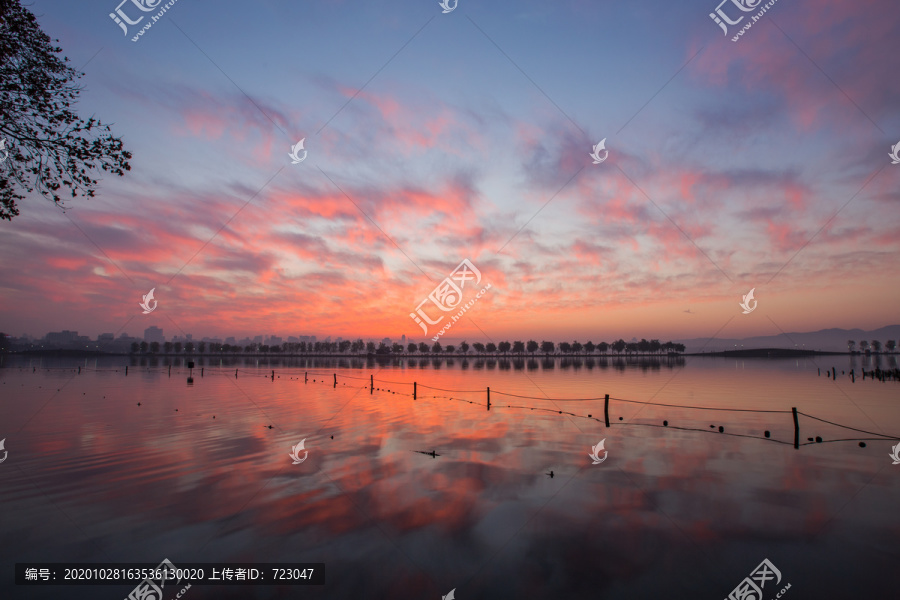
(829, 340)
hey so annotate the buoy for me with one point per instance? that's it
(862, 444)
(768, 434)
(665, 423)
(818, 439)
(721, 429)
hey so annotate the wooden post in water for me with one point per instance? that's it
(489, 398)
(371, 383)
(170, 370)
(305, 376)
(235, 373)
(273, 374)
(833, 374)
(414, 390)
(126, 371)
(796, 428)
(606, 409)
(201, 371)
(335, 380)
(852, 376)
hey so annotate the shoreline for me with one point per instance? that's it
(747, 353)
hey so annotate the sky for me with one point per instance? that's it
(432, 138)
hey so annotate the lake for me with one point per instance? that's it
(108, 467)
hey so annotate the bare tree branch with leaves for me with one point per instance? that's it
(49, 146)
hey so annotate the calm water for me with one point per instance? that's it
(674, 512)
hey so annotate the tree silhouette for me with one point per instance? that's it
(864, 346)
(504, 347)
(589, 347)
(876, 346)
(464, 347)
(154, 347)
(619, 345)
(518, 347)
(532, 346)
(890, 345)
(423, 348)
(548, 347)
(167, 347)
(144, 346)
(189, 347)
(436, 348)
(850, 345)
(603, 347)
(450, 349)
(479, 347)
(491, 347)
(51, 147)
(370, 347)
(135, 347)
(565, 347)
(412, 347)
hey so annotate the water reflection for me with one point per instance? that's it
(671, 514)
(517, 363)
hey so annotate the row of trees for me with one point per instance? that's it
(875, 346)
(357, 347)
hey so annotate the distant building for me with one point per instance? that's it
(154, 334)
(232, 342)
(106, 337)
(61, 338)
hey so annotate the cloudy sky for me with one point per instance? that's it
(434, 137)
